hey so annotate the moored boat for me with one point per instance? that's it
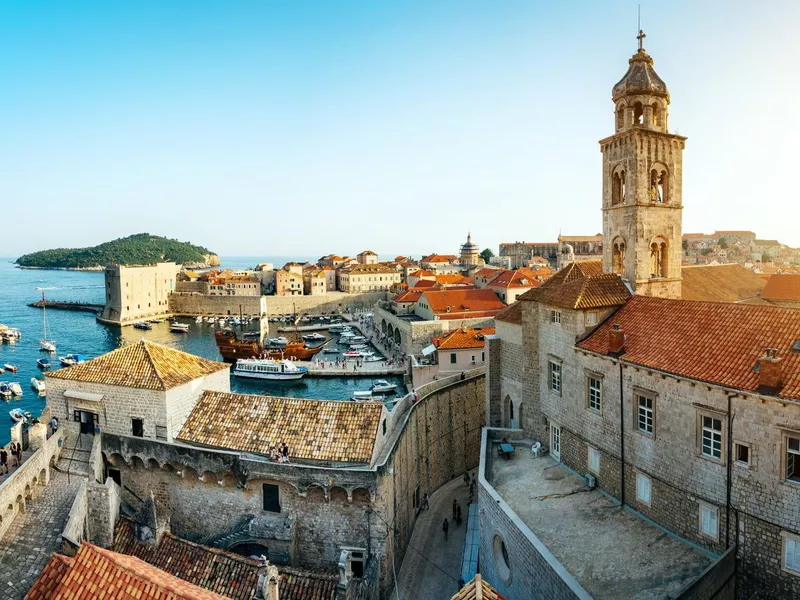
(232, 348)
(280, 370)
(43, 364)
(142, 325)
(383, 387)
(278, 342)
(38, 385)
(10, 367)
(314, 337)
(362, 395)
(177, 327)
(71, 359)
(45, 345)
(5, 391)
(17, 415)
(198, 319)
(330, 351)
(16, 388)
(374, 358)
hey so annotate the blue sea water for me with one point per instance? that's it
(78, 332)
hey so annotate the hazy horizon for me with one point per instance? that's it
(309, 128)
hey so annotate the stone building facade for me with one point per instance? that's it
(673, 408)
(367, 278)
(137, 292)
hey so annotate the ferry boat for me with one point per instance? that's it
(314, 337)
(16, 389)
(142, 325)
(281, 370)
(383, 387)
(179, 327)
(43, 364)
(38, 385)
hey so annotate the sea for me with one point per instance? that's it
(79, 332)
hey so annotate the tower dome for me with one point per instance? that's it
(640, 80)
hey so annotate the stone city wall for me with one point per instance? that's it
(415, 335)
(191, 304)
(332, 302)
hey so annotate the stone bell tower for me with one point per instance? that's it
(642, 184)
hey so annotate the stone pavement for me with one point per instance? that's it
(432, 567)
(33, 536)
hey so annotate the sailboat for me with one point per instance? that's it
(45, 345)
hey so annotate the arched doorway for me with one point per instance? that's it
(397, 336)
(250, 549)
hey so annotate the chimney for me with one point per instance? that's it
(616, 340)
(770, 372)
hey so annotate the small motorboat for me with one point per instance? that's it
(383, 387)
(282, 370)
(71, 359)
(156, 321)
(330, 351)
(177, 327)
(5, 391)
(198, 319)
(2, 370)
(351, 354)
(358, 339)
(10, 367)
(38, 385)
(16, 389)
(43, 364)
(17, 415)
(277, 342)
(314, 337)
(142, 325)
(360, 396)
(374, 358)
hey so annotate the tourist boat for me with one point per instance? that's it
(142, 325)
(5, 391)
(16, 389)
(383, 387)
(280, 370)
(179, 327)
(10, 367)
(231, 348)
(17, 415)
(278, 342)
(43, 364)
(360, 396)
(314, 337)
(71, 359)
(45, 345)
(38, 385)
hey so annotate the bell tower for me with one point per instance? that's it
(642, 184)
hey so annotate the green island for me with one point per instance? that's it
(137, 249)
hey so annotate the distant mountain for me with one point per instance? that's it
(138, 249)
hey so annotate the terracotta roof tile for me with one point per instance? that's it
(714, 342)
(437, 258)
(359, 268)
(463, 338)
(144, 365)
(782, 287)
(512, 314)
(720, 283)
(519, 278)
(478, 589)
(459, 302)
(581, 293)
(50, 577)
(297, 584)
(231, 575)
(409, 296)
(421, 273)
(326, 430)
(98, 574)
(425, 283)
(453, 279)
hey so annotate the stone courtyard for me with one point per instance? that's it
(26, 547)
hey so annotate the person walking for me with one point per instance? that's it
(425, 504)
(445, 528)
(466, 478)
(458, 515)
(4, 462)
(17, 454)
(455, 509)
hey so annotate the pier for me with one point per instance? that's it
(75, 306)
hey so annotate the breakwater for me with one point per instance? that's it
(62, 305)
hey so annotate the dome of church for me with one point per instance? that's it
(641, 79)
(470, 247)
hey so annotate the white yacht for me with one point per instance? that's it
(38, 385)
(255, 368)
(383, 387)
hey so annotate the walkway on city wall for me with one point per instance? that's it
(432, 566)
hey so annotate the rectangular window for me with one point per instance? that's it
(593, 460)
(137, 427)
(161, 432)
(742, 454)
(555, 377)
(711, 437)
(555, 316)
(595, 393)
(709, 521)
(793, 458)
(591, 318)
(791, 553)
(643, 488)
(644, 414)
(271, 497)
(453, 358)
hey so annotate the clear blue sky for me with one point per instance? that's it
(299, 127)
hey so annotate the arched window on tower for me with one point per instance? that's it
(620, 116)
(618, 187)
(659, 188)
(656, 114)
(618, 256)
(638, 114)
(658, 258)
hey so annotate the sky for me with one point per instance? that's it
(302, 128)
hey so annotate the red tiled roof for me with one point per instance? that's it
(781, 286)
(518, 278)
(714, 342)
(720, 283)
(580, 293)
(453, 279)
(486, 272)
(421, 273)
(512, 314)
(462, 338)
(425, 283)
(409, 296)
(50, 577)
(435, 258)
(461, 302)
(97, 574)
(297, 584)
(231, 575)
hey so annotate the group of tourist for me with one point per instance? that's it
(15, 449)
(279, 453)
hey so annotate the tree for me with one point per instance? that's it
(685, 245)
(706, 251)
(723, 243)
(766, 257)
(487, 254)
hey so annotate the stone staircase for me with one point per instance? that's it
(74, 457)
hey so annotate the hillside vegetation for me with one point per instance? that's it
(138, 249)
